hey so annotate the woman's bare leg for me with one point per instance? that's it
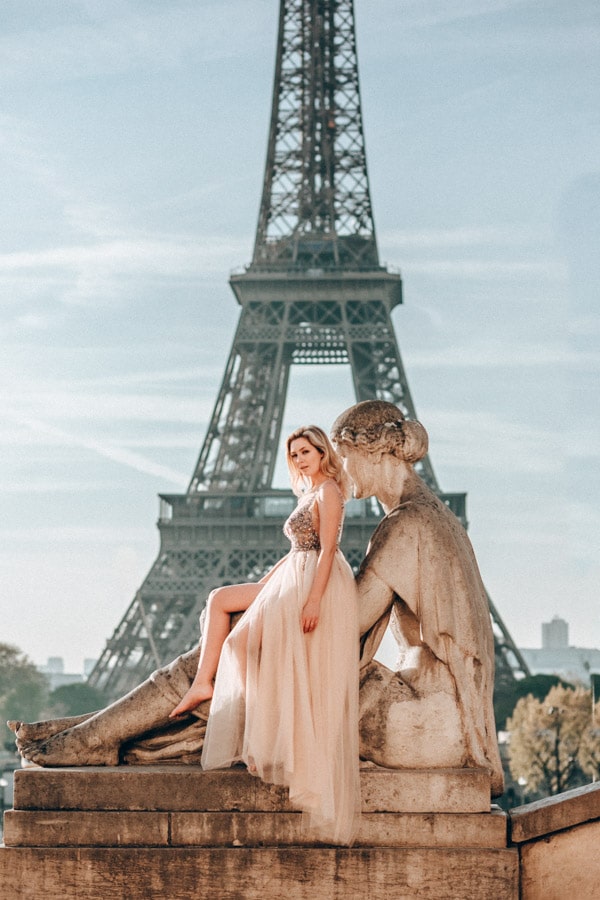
(221, 603)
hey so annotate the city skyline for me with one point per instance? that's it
(133, 146)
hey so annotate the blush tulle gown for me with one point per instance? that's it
(286, 703)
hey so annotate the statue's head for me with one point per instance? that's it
(373, 438)
(379, 427)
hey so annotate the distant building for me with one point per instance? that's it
(54, 666)
(573, 664)
(54, 670)
(555, 657)
(555, 634)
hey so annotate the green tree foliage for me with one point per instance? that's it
(506, 696)
(23, 690)
(553, 741)
(74, 700)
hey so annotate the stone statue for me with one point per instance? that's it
(419, 575)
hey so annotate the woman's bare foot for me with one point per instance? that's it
(73, 747)
(196, 695)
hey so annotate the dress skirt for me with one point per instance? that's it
(286, 703)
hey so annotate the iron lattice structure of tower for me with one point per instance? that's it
(314, 293)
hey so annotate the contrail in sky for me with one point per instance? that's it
(116, 454)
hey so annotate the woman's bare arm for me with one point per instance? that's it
(330, 510)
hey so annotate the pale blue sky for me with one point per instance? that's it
(132, 145)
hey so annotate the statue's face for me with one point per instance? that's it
(359, 469)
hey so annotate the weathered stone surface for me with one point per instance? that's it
(188, 788)
(24, 828)
(74, 828)
(429, 790)
(258, 874)
(178, 832)
(563, 865)
(558, 840)
(376, 829)
(138, 788)
(555, 813)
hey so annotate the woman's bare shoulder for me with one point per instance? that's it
(330, 489)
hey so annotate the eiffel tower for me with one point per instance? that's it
(314, 293)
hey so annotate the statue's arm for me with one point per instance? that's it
(375, 597)
(375, 600)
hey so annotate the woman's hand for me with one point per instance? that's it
(310, 615)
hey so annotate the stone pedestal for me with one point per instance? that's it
(558, 840)
(173, 832)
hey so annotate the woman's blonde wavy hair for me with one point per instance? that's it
(331, 463)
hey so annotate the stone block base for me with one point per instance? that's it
(188, 788)
(258, 874)
(171, 832)
(558, 840)
(74, 828)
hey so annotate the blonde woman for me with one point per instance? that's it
(285, 692)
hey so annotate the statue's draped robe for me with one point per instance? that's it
(423, 556)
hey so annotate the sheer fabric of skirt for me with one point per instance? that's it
(286, 703)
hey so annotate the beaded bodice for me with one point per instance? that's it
(300, 526)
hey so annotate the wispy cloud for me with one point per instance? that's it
(549, 270)
(151, 256)
(97, 272)
(33, 321)
(497, 354)
(583, 521)
(438, 12)
(110, 39)
(474, 252)
(97, 247)
(584, 326)
(73, 535)
(465, 236)
(490, 441)
(34, 485)
(114, 453)
(584, 441)
(96, 406)
(508, 26)
(148, 378)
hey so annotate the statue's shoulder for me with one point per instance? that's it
(418, 502)
(419, 511)
(402, 523)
